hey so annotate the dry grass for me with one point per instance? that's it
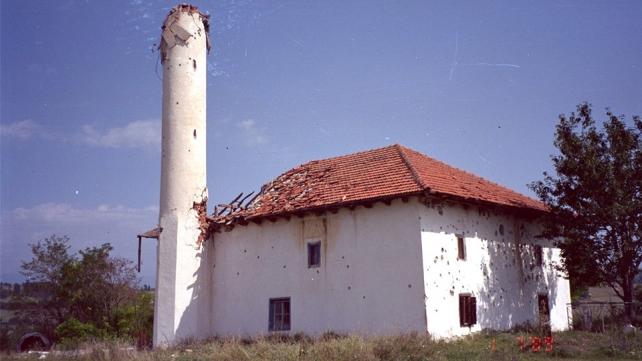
(409, 347)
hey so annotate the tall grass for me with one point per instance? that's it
(408, 347)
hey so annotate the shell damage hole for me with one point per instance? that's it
(194, 133)
(194, 63)
(201, 211)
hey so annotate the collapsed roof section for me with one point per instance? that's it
(366, 177)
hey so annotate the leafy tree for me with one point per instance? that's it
(87, 294)
(101, 285)
(47, 269)
(595, 199)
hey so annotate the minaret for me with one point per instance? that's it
(183, 197)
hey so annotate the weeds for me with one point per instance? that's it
(499, 346)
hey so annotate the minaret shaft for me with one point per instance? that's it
(183, 192)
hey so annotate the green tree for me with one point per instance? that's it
(102, 284)
(47, 269)
(90, 289)
(595, 199)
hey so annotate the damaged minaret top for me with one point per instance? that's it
(183, 195)
(179, 29)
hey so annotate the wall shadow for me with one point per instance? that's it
(194, 323)
(512, 277)
(500, 269)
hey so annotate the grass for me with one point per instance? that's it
(572, 345)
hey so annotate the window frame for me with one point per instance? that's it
(284, 311)
(311, 261)
(467, 310)
(461, 247)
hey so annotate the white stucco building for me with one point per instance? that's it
(405, 243)
(378, 242)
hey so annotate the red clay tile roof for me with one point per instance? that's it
(378, 174)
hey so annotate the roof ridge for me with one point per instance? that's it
(411, 167)
(505, 188)
(345, 155)
(385, 173)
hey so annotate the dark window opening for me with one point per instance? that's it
(314, 254)
(461, 248)
(279, 314)
(539, 253)
(544, 314)
(467, 310)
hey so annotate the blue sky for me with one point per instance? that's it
(476, 84)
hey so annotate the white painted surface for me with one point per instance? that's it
(183, 181)
(369, 282)
(381, 272)
(378, 253)
(499, 270)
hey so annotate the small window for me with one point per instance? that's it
(539, 255)
(467, 310)
(279, 314)
(544, 310)
(314, 254)
(461, 248)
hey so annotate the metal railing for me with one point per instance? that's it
(602, 316)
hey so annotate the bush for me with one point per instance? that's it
(72, 332)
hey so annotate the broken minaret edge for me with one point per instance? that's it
(179, 307)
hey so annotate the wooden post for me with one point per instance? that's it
(139, 243)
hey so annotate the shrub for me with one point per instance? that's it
(72, 333)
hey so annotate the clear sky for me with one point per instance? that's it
(476, 84)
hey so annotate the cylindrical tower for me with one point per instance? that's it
(183, 195)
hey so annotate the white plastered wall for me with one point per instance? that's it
(179, 302)
(499, 270)
(369, 282)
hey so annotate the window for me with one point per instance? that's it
(279, 314)
(461, 248)
(544, 313)
(467, 310)
(539, 253)
(314, 254)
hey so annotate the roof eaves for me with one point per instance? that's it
(234, 219)
(522, 208)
